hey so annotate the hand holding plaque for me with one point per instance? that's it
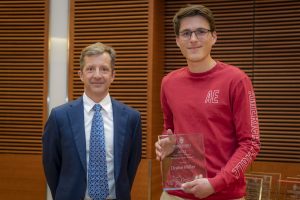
(167, 144)
(182, 159)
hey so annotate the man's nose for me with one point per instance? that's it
(98, 73)
(193, 36)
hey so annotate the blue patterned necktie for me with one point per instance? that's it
(97, 171)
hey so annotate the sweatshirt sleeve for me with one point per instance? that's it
(167, 112)
(245, 118)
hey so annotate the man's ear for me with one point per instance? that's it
(214, 34)
(114, 74)
(177, 41)
(80, 75)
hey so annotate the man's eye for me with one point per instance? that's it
(186, 33)
(201, 31)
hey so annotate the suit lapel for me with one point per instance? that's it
(76, 116)
(120, 120)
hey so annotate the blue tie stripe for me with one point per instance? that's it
(97, 170)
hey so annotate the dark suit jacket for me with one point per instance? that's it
(64, 150)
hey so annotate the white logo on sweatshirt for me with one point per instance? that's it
(212, 96)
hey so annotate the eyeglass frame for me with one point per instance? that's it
(189, 36)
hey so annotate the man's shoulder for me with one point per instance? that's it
(232, 69)
(69, 104)
(120, 105)
(174, 74)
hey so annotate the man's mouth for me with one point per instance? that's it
(197, 47)
(97, 83)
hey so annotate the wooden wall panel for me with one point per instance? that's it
(141, 186)
(156, 180)
(23, 97)
(147, 184)
(277, 79)
(23, 75)
(156, 52)
(21, 177)
(286, 170)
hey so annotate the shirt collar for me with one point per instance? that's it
(89, 103)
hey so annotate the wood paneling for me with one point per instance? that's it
(277, 79)
(23, 97)
(23, 75)
(147, 184)
(286, 169)
(156, 180)
(155, 73)
(140, 189)
(21, 177)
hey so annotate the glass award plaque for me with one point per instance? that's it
(253, 188)
(290, 189)
(266, 185)
(271, 184)
(184, 159)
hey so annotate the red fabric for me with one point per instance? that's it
(220, 104)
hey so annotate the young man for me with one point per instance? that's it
(214, 99)
(92, 146)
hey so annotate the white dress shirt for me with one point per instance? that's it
(107, 115)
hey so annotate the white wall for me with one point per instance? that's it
(58, 55)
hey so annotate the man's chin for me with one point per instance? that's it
(195, 58)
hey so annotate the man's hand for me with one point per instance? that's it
(200, 187)
(165, 146)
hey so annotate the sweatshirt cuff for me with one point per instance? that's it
(217, 183)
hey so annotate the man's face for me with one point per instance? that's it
(195, 49)
(97, 75)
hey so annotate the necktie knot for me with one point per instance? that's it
(97, 107)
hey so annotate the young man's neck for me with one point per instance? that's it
(202, 66)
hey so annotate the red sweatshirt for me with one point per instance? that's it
(220, 104)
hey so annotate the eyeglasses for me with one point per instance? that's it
(200, 33)
(102, 70)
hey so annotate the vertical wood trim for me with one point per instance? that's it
(155, 73)
(71, 66)
(46, 63)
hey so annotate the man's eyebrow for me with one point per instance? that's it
(185, 30)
